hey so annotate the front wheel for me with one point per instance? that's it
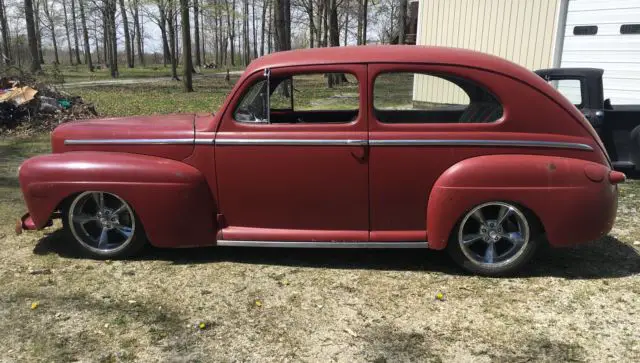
(103, 225)
(494, 239)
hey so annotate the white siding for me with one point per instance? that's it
(618, 54)
(522, 31)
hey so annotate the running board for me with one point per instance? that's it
(235, 243)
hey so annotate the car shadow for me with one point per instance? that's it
(605, 258)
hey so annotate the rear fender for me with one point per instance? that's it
(171, 198)
(573, 199)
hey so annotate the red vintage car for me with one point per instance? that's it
(350, 147)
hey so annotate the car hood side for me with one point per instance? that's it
(169, 136)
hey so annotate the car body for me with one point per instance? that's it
(617, 125)
(517, 166)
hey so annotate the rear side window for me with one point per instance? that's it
(570, 88)
(406, 97)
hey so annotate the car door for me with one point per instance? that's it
(416, 110)
(298, 172)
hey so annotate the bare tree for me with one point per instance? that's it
(171, 26)
(75, 31)
(36, 13)
(402, 21)
(135, 5)
(128, 49)
(85, 36)
(51, 18)
(196, 30)
(31, 35)
(66, 29)
(265, 6)
(282, 24)
(111, 8)
(187, 65)
(5, 56)
(253, 26)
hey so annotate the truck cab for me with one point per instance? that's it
(617, 125)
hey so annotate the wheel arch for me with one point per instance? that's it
(555, 190)
(171, 198)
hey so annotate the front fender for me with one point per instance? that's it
(574, 199)
(171, 198)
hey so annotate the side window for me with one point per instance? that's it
(404, 97)
(302, 98)
(570, 88)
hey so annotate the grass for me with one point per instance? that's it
(577, 304)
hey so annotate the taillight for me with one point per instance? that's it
(616, 177)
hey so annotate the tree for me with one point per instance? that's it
(31, 36)
(402, 21)
(187, 64)
(171, 12)
(51, 17)
(282, 24)
(112, 47)
(75, 31)
(128, 49)
(196, 30)
(5, 55)
(138, 30)
(85, 35)
(66, 28)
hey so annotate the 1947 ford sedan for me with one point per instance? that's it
(376, 146)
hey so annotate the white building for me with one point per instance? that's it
(541, 34)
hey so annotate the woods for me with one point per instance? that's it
(192, 33)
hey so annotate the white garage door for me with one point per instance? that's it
(606, 34)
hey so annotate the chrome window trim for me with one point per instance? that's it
(336, 142)
(298, 244)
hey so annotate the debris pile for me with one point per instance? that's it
(27, 104)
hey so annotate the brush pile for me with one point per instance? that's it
(27, 105)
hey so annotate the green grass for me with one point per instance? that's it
(157, 98)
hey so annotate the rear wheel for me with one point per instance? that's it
(494, 239)
(103, 225)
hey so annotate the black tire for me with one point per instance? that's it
(134, 244)
(508, 268)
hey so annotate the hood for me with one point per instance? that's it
(169, 136)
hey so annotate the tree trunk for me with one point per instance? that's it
(128, 49)
(282, 25)
(325, 21)
(231, 28)
(113, 42)
(196, 30)
(346, 28)
(166, 52)
(66, 28)
(334, 79)
(365, 21)
(95, 39)
(32, 37)
(255, 32)
(5, 55)
(36, 11)
(312, 24)
(85, 35)
(172, 40)
(52, 28)
(402, 21)
(187, 65)
(138, 31)
(75, 31)
(272, 12)
(265, 6)
(318, 21)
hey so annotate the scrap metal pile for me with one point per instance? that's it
(27, 104)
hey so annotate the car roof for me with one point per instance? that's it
(388, 54)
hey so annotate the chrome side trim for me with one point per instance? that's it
(128, 142)
(235, 243)
(508, 143)
(336, 142)
(291, 142)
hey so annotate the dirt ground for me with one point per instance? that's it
(242, 304)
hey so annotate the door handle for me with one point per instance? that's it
(361, 153)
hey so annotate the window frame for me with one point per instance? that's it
(447, 76)
(255, 79)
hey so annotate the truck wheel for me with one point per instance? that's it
(494, 239)
(103, 225)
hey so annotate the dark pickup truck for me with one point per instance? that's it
(617, 125)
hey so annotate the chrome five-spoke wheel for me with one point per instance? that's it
(102, 223)
(493, 238)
